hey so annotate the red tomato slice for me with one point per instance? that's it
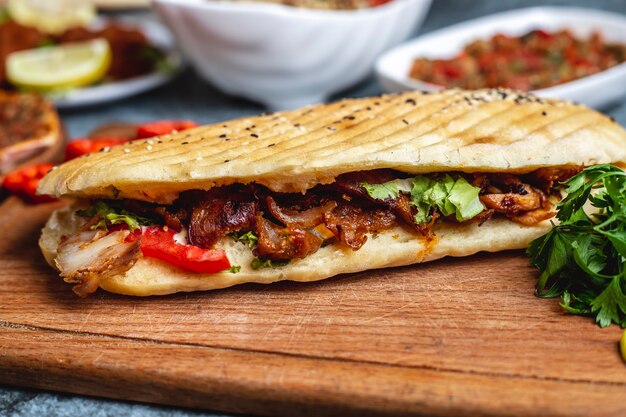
(163, 127)
(23, 183)
(158, 243)
(84, 146)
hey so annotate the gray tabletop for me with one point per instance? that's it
(188, 97)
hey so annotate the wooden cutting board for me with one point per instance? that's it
(457, 337)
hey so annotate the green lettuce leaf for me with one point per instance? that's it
(444, 193)
(464, 197)
(388, 190)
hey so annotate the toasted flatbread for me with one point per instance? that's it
(482, 131)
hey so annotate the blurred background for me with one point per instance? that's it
(111, 66)
(214, 60)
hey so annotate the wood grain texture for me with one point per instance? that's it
(457, 337)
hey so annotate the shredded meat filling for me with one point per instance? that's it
(546, 178)
(283, 243)
(346, 210)
(351, 183)
(219, 212)
(87, 257)
(288, 225)
(347, 222)
(351, 224)
(518, 201)
(306, 218)
(401, 206)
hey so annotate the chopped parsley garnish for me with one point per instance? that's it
(583, 259)
(248, 238)
(110, 216)
(234, 269)
(258, 263)
(451, 196)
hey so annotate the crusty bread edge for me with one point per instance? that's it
(396, 247)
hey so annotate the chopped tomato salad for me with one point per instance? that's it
(158, 242)
(538, 59)
(23, 183)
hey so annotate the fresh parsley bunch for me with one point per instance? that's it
(583, 259)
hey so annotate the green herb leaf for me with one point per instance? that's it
(610, 305)
(583, 259)
(258, 263)
(109, 216)
(234, 269)
(248, 238)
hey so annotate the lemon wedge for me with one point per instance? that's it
(52, 16)
(623, 345)
(59, 67)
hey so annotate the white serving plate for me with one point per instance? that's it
(598, 90)
(158, 36)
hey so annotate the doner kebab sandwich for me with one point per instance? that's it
(308, 194)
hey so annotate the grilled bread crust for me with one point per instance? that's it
(454, 130)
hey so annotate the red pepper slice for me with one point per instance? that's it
(83, 146)
(163, 127)
(23, 183)
(159, 243)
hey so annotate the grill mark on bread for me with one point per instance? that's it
(295, 145)
(419, 129)
(370, 126)
(426, 143)
(315, 131)
(560, 120)
(497, 128)
(234, 148)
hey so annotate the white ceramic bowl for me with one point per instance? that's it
(598, 90)
(282, 56)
